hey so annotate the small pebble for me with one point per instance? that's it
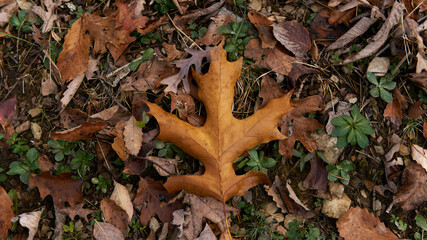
(379, 150)
(34, 112)
(404, 150)
(23, 127)
(36, 130)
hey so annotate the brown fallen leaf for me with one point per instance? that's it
(317, 178)
(294, 36)
(357, 30)
(273, 59)
(150, 199)
(121, 197)
(420, 79)
(298, 70)
(6, 213)
(381, 36)
(393, 110)
(213, 36)
(134, 166)
(164, 166)
(419, 155)
(77, 210)
(269, 90)
(45, 163)
(223, 138)
(62, 188)
(298, 127)
(323, 32)
(171, 52)
(7, 110)
(6, 12)
(132, 136)
(48, 16)
(190, 221)
(115, 215)
(425, 129)
(338, 16)
(413, 191)
(414, 110)
(265, 29)
(79, 132)
(106, 231)
(360, 224)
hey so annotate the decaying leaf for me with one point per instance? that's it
(62, 188)
(414, 110)
(77, 210)
(379, 39)
(48, 15)
(322, 31)
(7, 110)
(297, 127)
(79, 132)
(273, 59)
(150, 199)
(317, 178)
(121, 197)
(206, 234)
(190, 221)
(6, 12)
(106, 231)
(419, 155)
(294, 36)
(360, 224)
(357, 30)
(413, 191)
(213, 36)
(164, 166)
(132, 136)
(263, 24)
(115, 215)
(393, 110)
(223, 138)
(6, 213)
(30, 221)
(425, 129)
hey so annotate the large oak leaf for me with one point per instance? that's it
(223, 138)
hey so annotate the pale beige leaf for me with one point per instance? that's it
(121, 197)
(419, 155)
(29, 220)
(107, 113)
(357, 30)
(421, 63)
(6, 13)
(133, 136)
(48, 15)
(206, 234)
(48, 86)
(71, 90)
(164, 166)
(106, 231)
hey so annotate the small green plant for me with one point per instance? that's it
(20, 22)
(25, 167)
(238, 39)
(136, 226)
(61, 148)
(82, 162)
(297, 232)
(352, 129)
(398, 223)
(101, 183)
(319, 202)
(304, 158)
(147, 55)
(53, 50)
(422, 95)
(3, 176)
(379, 89)
(197, 33)
(17, 144)
(164, 6)
(335, 57)
(311, 18)
(74, 231)
(168, 150)
(80, 12)
(340, 172)
(149, 37)
(422, 223)
(256, 161)
(144, 121)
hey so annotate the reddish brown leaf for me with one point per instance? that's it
(7, 110)
(420, 79)
(294, 36)
(317, 178)
(171, 52)
(273, 59)
(338, 16)
(6, 213)
(79, 132)
(134, 166)
(360, 224)
(393, 110)
(213, 36)
(299, 70)
(425, 129)
(62, 188)
(119, 142)
(77, 210)
(45, 163)
(263, 24)
(323, 32)
(298, 127)
(413, 191)
(150, 199)
(269, 90)
(414, 110)
(115, 215)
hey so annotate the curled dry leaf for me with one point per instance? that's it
(79, 132)
(106, 231)
(273, 59)
(413, 191)
(223, 138)
(297, 127)
(6, 213)
(263, 24)
(121, 197)
(382, 35)
(360, 224)
(62, 188)
(30, 221)
(115, 215)
(151, 198)
(190, 221)
(132, 136)
(294, 36)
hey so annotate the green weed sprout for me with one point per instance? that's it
(256, 162)
(340, 172)
(379, 89)
(352, 129)
(25, 167)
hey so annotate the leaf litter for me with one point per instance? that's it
(197, 117)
